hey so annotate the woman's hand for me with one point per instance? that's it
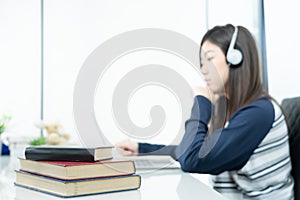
(206, 92)
(127, 148)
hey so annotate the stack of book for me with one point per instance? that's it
(69, 171)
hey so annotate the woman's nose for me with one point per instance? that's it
(203, 69)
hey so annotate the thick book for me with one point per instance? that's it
(67, 153)
(74, 188)
(66, 170)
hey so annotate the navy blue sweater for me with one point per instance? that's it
(225, 149)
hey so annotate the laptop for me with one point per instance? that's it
(153, 162)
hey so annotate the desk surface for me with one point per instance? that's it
(170, 184)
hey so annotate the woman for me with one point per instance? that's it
(244, 142)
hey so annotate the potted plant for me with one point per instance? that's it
(3, 125)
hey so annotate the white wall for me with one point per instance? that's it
(236, 12)
(20, 64)
(73, 29)
(282, 38)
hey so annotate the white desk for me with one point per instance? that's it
(159, 184)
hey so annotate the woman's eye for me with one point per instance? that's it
(210, 58)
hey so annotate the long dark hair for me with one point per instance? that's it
(244, 83)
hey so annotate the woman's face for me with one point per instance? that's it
(214, 67)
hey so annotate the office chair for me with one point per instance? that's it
(291, 107)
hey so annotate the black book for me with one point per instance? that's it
(59, 153)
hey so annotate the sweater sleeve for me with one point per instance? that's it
(159, 149)
(225, 149)
(228, 148)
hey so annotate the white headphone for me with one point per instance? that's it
(234, 56)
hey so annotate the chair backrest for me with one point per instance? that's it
(291, 108)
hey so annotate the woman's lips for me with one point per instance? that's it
(208, 81)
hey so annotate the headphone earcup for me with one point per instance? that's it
(234, 56)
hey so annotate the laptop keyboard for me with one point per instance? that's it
(154, 164)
